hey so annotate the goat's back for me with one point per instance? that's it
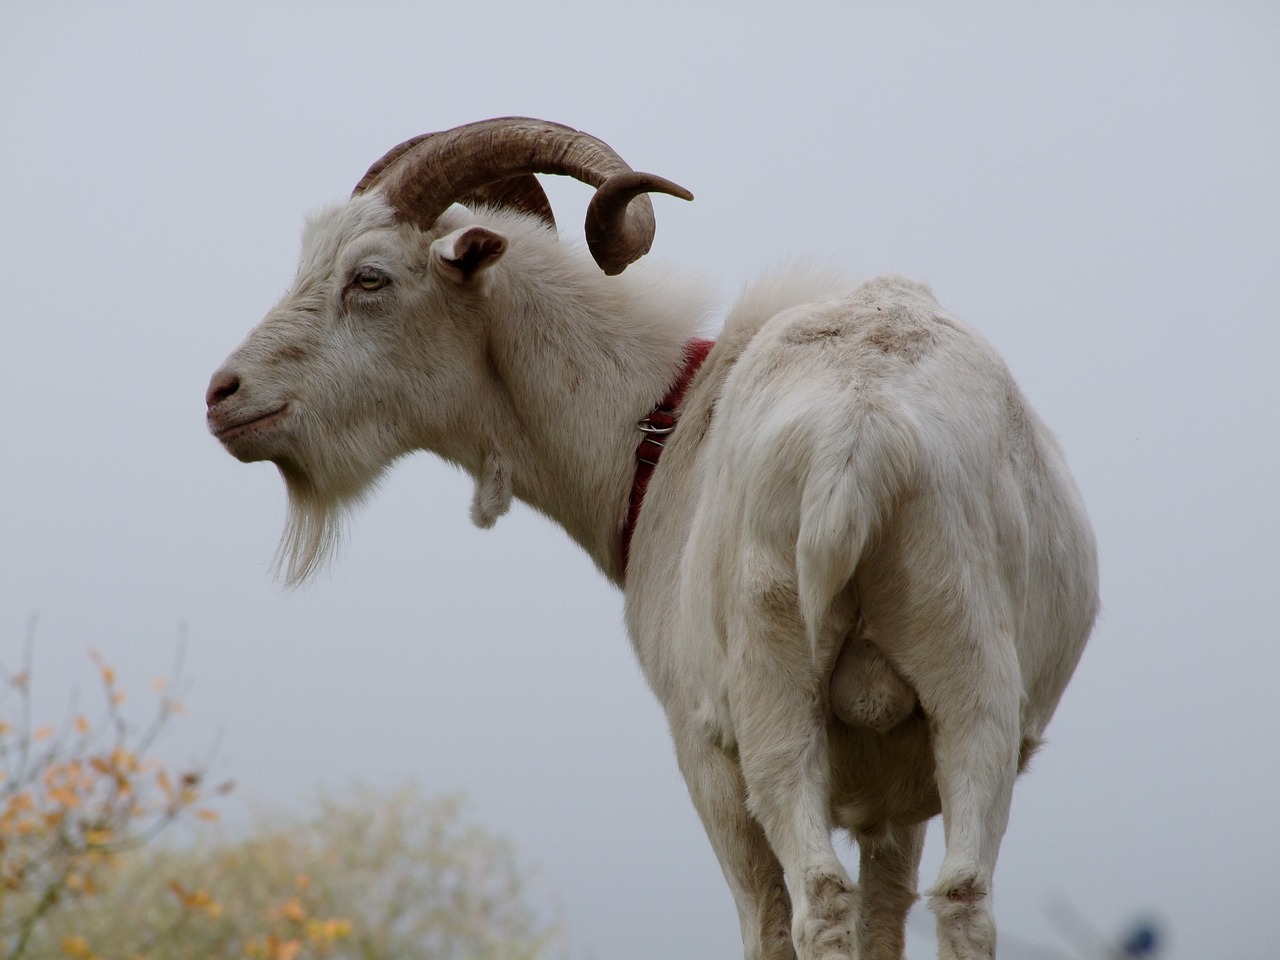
(870, 459)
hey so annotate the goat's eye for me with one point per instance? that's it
(370, 279)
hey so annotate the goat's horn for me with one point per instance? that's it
(522, 192)
(423, 176)
(618, 233)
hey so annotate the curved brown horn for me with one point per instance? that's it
(618, 231)
(522, 193)
(422, 177)
(374, 173)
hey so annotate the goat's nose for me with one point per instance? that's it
(221, 386)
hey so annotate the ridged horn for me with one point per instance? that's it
(522, 193)
(493, 161)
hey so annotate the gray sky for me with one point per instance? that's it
(1095, 187)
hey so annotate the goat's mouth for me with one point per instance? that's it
(242, 434)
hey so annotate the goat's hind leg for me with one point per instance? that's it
(778, 705)
(971, 695)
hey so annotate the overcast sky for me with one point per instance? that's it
(1094, 186)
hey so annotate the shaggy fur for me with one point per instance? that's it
(862, 576)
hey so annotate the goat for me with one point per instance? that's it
(861, 576)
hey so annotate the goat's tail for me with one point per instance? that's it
(852, 484)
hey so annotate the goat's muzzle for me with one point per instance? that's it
(245, 427)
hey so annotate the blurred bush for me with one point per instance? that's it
(368, 875)
(365, 874)
(76, 798)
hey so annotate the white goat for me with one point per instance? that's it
(862, 575)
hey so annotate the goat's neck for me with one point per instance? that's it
(569, 393)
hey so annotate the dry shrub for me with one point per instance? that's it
(364, 875)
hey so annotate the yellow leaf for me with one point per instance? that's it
(42, 733)
(108, 675)
(64, 797)
(209, 816)
(75, 947)
(325, 932)
(82, 724)
(288, 950)
(200, 899)
(97, 838)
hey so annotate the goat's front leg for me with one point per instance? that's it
(753, 872)
(778, 708)
(888, 874)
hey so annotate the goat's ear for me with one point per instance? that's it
(465, 254)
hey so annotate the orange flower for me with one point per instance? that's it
(293, 910)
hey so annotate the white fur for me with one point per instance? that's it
(862, 576)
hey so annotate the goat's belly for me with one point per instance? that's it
(882, 778)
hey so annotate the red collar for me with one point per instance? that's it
(657, 428)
